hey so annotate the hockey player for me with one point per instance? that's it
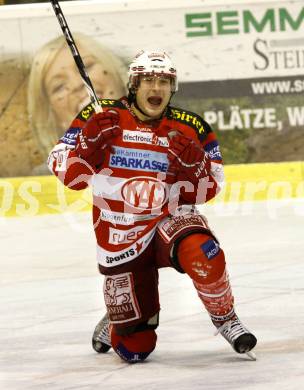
(149, 164)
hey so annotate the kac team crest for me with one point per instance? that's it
(145, 193)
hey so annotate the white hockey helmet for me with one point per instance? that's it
(151, 63)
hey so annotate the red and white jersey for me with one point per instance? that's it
(132, 188)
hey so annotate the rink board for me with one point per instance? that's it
(29, 196)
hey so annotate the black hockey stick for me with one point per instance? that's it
(77, 58)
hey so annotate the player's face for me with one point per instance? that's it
(153, 95)
(65, 89)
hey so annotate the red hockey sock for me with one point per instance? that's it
(201, 257)
(134, 347)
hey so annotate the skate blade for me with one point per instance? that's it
(251, 355)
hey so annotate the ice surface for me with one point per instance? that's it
(51, 300)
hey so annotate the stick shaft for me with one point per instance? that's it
(76, 55)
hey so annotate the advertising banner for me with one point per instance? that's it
(240, 66)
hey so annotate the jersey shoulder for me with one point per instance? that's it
(89, 110)
(190, 119)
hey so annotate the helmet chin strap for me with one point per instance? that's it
(138, 108)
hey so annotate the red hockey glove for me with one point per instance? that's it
(97, 134)
(188, 160)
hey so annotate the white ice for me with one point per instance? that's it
(51, 300)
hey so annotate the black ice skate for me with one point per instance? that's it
(101, 341)
(240, 338)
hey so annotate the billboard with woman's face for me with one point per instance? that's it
(56, 92)
(239, 65)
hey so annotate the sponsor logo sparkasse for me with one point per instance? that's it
(145, 193)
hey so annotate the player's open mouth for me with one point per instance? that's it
(155, 100)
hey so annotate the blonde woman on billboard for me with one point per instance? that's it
(56, 92)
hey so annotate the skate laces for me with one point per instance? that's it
(231, 330)
(102, 332)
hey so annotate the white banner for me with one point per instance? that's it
(242, 39)
(240, 65)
